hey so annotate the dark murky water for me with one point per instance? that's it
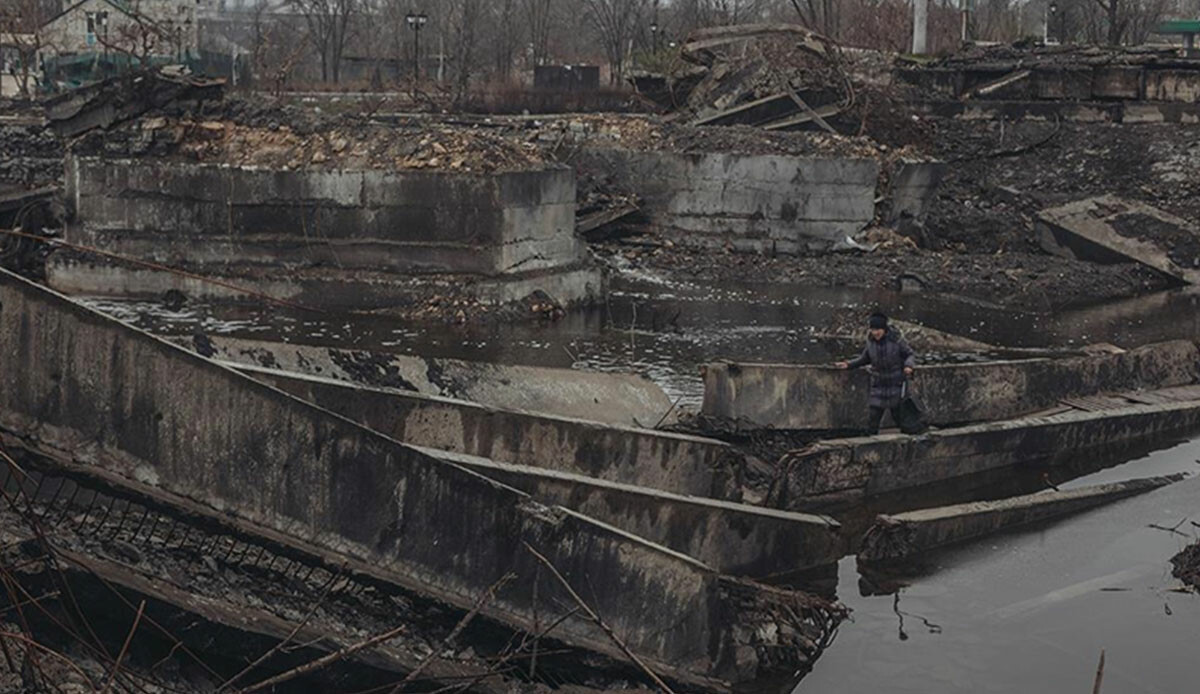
(1030, 611)
(1027, 611)
(666, 331)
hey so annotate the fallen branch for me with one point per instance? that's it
(50, 651)
(124, 649)
(323, 661)
(495, 667)
(600, 623)
(458, 628)
(1099, 674)
(282, 644)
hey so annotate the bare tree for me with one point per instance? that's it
(23, 20)
(1126, 20)
(463, 18)
(328, 23)
(823, 16)
(139, 36)
(995, 20)
(616, 21)
(273, 55)
(539, 17)
(506, 38)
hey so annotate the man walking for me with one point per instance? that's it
(892, 362)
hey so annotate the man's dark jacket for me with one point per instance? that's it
(888, 358)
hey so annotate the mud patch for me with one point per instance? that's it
(1182, 246)
(1186, 565)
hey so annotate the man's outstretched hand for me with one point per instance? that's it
(908, 371)
(842, 364)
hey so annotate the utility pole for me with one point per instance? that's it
(920, 20)
(966, 16)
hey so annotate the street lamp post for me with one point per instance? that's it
(1051, 10)
(654, 37)
(416, 22)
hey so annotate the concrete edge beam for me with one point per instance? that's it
(905, 534)
(646, 458)
(735, 539)
(838, 471)
(820, 398)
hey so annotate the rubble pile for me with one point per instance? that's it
(284, 147)
(1031, 280)
(32, 155)
(649, 133)
(259, 132)
(747, 71)
(1001, 174)
(1027, 54)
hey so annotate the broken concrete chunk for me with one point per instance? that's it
(905, 534)
(1108, 229)
(623, 399)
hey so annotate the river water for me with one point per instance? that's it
(1025, 612)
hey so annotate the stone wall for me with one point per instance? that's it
(786, 396)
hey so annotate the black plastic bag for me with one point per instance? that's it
(912, 412)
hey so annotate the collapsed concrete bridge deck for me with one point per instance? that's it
(840, 471)
(115, 402)
(679, 491)
(819, 398)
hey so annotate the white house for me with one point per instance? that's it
(137, 28)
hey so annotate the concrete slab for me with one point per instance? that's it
(611, 398)
(86, 274)
(758, 203)
(1108, 229)
(109, 401)
(675, 463)
(913, 187)
(803, 397)
(842, 471)
(735, 539)
(377, 231)
(905, 534)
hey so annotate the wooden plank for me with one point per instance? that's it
(596, 220)
(828, 111)
(997, 84)
(740, 108)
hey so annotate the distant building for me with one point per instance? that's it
(93, 37)
(566, 77)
